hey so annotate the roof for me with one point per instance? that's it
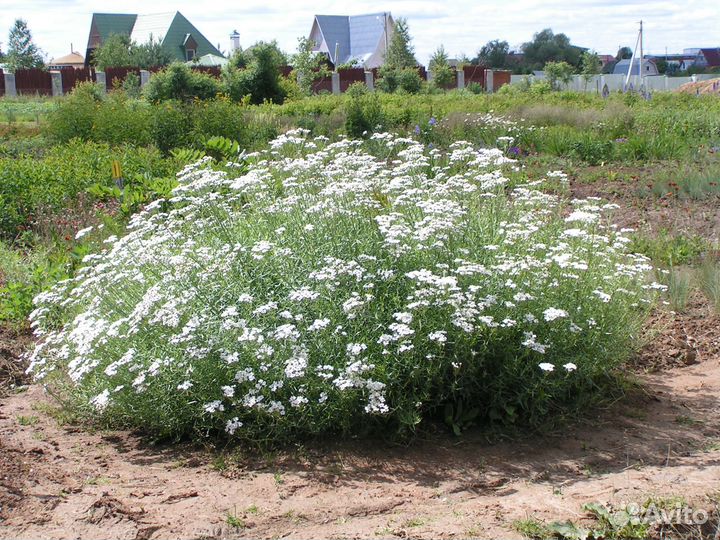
(171, 30)
(155, 25)
(72, 58)
(208, 60)
(621, 67)
(106, 24)
(358, 36)
(712, 56)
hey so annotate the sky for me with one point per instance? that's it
(461, 26)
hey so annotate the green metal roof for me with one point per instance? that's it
(107, 24)
(176, 35)
(173, 33)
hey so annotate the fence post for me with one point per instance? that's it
(460, 76)
(144, 77)
(56, 82)
(100, 80)
(335, 79)
(10, 89)
(369, 81)
(489, 81)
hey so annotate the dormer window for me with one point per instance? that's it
(190, 46)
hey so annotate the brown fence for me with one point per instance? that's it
(33, 81)
(474, 74)
(36, 81)
(72, 76)
(350, 76)
(500, 78)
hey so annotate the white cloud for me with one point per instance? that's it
(461, 26)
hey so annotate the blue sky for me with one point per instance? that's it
(462, 26)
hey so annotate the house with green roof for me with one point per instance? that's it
(175, 33)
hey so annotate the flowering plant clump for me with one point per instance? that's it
(318, 288)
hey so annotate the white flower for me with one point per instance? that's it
(440, 336)
(213, 406)
(100, 402)
(82, 232)
(187, 385)
(551, 314)
(570, 367)
(232, 425)
(546, 366)
(318, 324)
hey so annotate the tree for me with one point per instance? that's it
(589, 66)
(399, 70)
(400, 53)
(558, 72)
(309, 65)
(442, 73)
(548, 47)
(624, 53)
(119, 51)
(255, 72)
(149, 54)
(22, 52)
(113, 52)
(493, 54)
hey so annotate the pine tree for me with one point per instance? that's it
(400, 53)
(22, 52)
(440, 68)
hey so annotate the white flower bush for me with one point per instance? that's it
(320, 288)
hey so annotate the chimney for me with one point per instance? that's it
(235, 41)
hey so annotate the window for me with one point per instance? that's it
(189, 54)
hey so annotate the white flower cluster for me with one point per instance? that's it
(322, 278)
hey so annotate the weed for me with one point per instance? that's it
(27, 420)
(234, 521)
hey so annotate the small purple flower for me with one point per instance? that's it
(514, 150)
(621, 140)
(431, 146)
(417, 130)
(432, 121)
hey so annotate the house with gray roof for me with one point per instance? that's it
(356, 39)
(649, 67)
(175, 33)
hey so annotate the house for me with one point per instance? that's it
(621, 68)
(73, 60)
(357, 39)
(707, 58)
(605, 59)
(175, 33)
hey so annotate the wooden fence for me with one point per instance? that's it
(33, 81)
(72, 76)
(37, 81)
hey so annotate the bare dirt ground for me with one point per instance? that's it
(62, 482)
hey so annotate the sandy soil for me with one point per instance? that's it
(60, 482)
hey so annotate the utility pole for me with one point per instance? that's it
(642, 58)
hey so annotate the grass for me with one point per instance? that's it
(710, 282)
(234, 521)
(27, 420)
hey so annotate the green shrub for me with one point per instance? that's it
(327, 290)
(29, 185)
(255, 73)
(172, 125)
(74, 116)
(363, 113)
(219, 117)
(179, 82)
